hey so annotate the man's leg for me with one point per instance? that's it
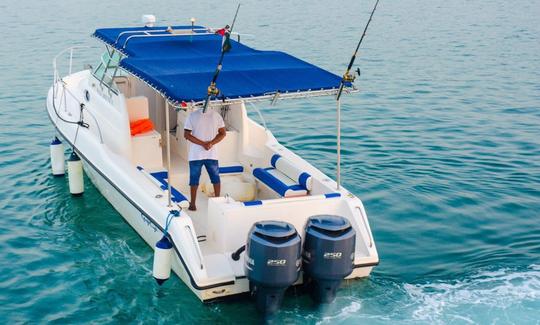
(195, 167)
(217, 189)
(212, 167)
(192, 205)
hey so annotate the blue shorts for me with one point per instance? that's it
(195, 168)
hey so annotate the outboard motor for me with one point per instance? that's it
(328, 254)
(273, 257)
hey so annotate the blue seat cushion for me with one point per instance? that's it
(231, 169)
(265, 175)
(162, 177)
(291, 171)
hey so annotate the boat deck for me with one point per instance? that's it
(180, 181)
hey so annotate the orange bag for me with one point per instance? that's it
(141, 126)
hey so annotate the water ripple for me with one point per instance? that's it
(442, 145)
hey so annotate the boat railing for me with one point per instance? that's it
(56, 74)
(137, 31)
(151, 178)
(366, 226)
(267, 97)
(58, 78)
(149, 32)
(65, 90)
(260, 114)
(160, 35)
(196, 245)
(170, 33)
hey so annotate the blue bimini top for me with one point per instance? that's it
(181, 67)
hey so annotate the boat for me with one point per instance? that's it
(279, 222)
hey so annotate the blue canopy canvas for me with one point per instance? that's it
(181, 67)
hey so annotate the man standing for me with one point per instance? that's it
(204, 131)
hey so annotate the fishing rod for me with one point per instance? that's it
(348, 77)
(225, 47)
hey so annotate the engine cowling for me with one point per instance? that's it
(328, 254)
(273, 258)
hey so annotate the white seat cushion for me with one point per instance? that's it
(137, 108)
(291, 171)
(279, 182)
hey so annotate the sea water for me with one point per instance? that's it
(442, 144)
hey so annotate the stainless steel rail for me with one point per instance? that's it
(55, 59)
(196, 244)
(152, 33)
(260, 115)
(268, 97)
(161, 35)
(57, 79)
(148, 32)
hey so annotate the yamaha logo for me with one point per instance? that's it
(332, 255)
(276, 262)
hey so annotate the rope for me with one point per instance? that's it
(56, 110)
(170, 216)
(80, 122)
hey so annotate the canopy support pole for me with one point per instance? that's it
(167, 131)
(338, 142)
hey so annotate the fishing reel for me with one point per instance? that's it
(213, 90)
(350, 77)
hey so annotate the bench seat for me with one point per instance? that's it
(279, 182)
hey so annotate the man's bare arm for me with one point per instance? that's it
(192, 138)
(220, 136)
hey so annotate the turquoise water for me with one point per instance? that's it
(442, 145)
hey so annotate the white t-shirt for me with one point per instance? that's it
(203, 126)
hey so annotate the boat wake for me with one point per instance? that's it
(507, 295)
(487, 295)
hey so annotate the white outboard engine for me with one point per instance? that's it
(273, 258)
(328, 254)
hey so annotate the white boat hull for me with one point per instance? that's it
(205, 265)
(149, 231)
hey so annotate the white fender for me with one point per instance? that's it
(161, 269)
(57, 157)
(75, 174)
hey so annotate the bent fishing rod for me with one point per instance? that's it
(225, 47)
(348, 77)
